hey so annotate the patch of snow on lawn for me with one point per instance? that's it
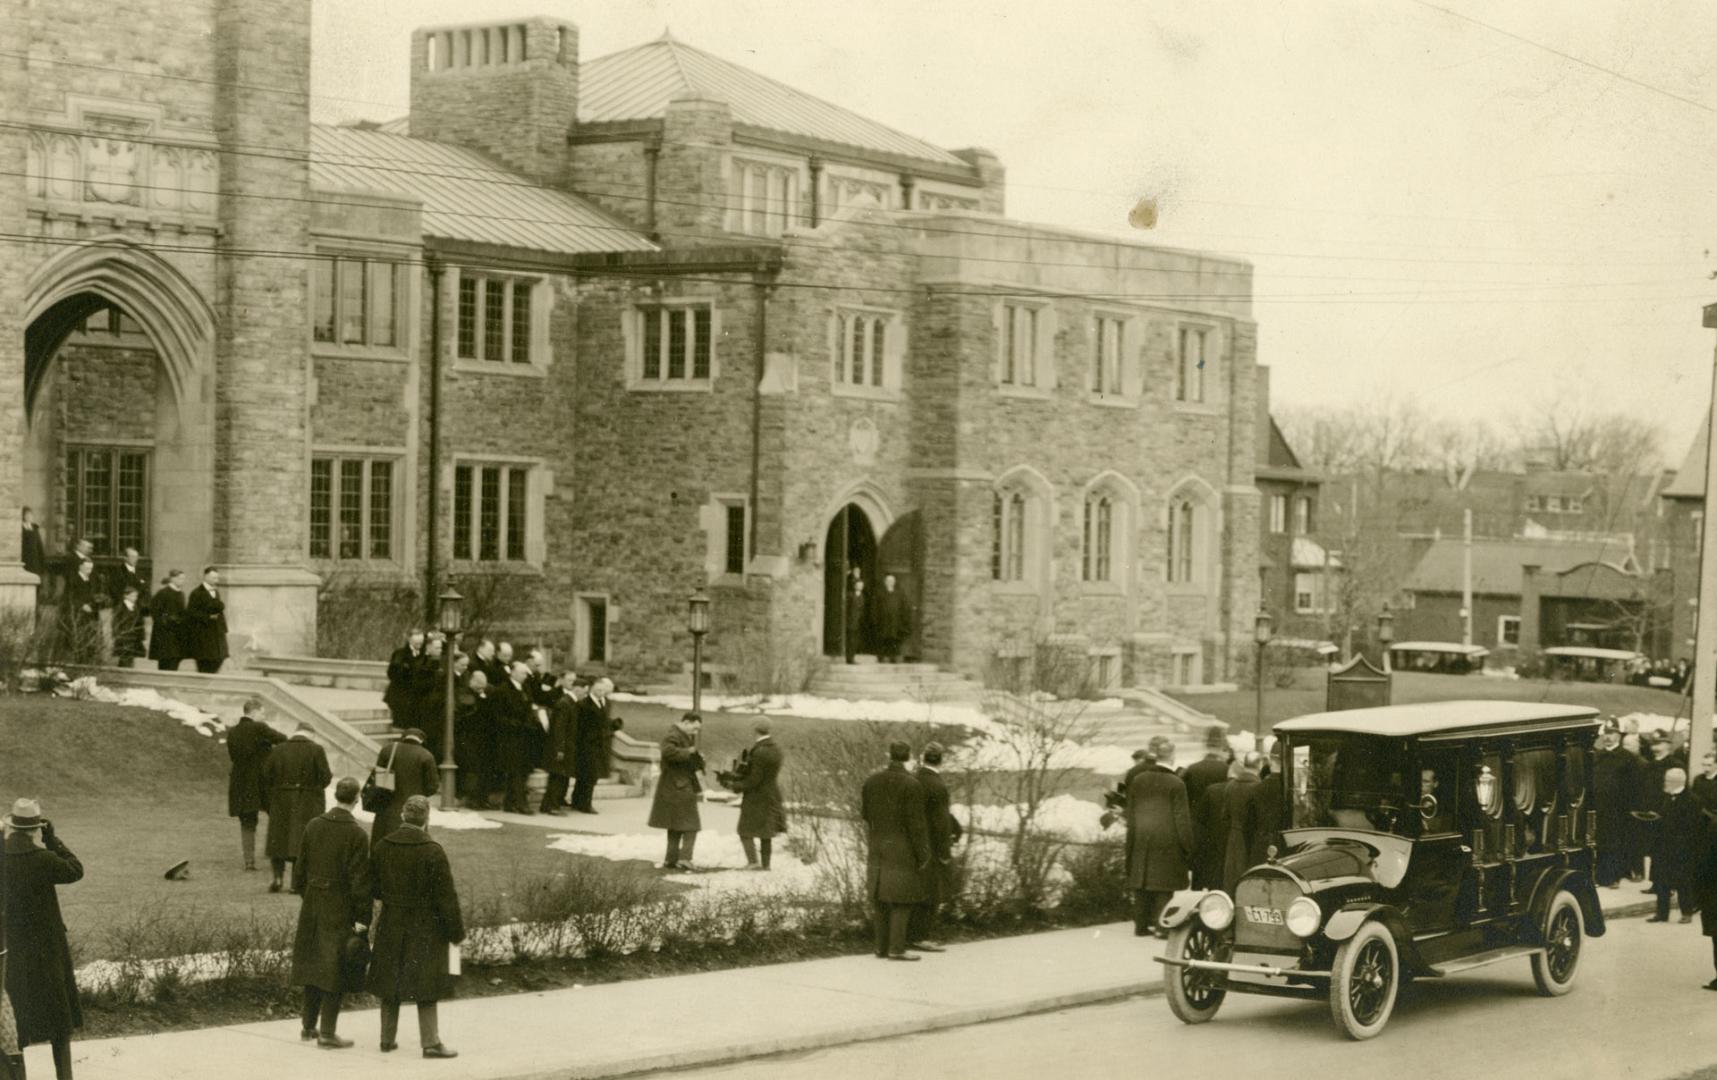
(87, 689)
(812, 707)
(450, 820)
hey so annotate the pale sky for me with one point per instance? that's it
(1434, 209)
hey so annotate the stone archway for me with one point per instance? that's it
(158, 424)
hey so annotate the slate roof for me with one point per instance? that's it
(1497, 563)
(638, 83)
(1689, 482)
(465, 195)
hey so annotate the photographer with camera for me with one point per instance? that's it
(39, 965)
(762, 811)
(675, 806)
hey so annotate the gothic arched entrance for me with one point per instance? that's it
(901, 553)
(849, 551)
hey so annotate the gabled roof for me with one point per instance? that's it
(465, 195)
(638, 83)
(1497, 563)
(1689, 482)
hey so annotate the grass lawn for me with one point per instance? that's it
(1239, 707)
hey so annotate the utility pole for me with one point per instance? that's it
(1705, 632)
(1467, 579)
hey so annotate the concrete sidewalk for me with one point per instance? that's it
(633, 1027)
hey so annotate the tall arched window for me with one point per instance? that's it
(1099, 538)
(1183, 531)
(1007, 553)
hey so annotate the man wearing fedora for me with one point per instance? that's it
(39, 965)
(418, 922)
(333, 873)
(248, 744)
(296, 776)
(414, 773)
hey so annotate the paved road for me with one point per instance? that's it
(1636, 1013)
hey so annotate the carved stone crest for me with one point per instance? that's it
(863, 439)
(110, 169)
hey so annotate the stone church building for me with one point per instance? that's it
(601, 332)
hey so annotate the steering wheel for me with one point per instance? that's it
(1386, 815)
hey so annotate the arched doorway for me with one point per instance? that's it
(117, 446)
(901, 553)
(849, 546)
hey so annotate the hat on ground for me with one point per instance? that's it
(26, 814)
(179, 871)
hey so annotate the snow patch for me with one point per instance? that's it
(87, 689)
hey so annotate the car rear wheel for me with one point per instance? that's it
(1364, 982)
(1564, 933)
(1194, 995)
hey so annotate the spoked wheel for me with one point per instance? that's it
(1564, 932)
(1194, 995)
(1363, 985)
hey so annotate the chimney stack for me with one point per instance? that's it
(509, 90)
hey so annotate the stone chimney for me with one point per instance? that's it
(994, 176)
(509, 90)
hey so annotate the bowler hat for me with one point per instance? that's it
(26, 814)
(179, 871)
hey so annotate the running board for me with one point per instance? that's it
(1477, 960)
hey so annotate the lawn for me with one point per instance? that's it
(1239, 708)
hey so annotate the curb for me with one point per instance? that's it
(790, 1044)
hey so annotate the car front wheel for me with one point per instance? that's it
(1564, 932)
(1194, 995)
(1364, 982)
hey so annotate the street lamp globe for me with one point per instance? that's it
(450, 615)
(1385, 626)
(698, 612)
(1261, 627)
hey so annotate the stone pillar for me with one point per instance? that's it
(262, 347)
(17, 587)
(692, 176)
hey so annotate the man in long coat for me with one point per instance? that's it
(514, 718)
(39, 960)
(1210, 769)
(1245, 790)
(203, 631)
(675, 805)
(1679, 849)
(1159, 838)
(333, 873)
(893, 620)
(762, 810)
(1267, 804)
(166, 618)
(474, 738)
(560, 750)
(1209, 834)
(414, 773)
(898, 851)
(1615, 792)
(594, 742)
(419, 920)
(296, 776)
(402, 666)
(82, 603)
(943, 829)
(248, 744)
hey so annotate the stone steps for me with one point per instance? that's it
(866, 679)
(318, 671)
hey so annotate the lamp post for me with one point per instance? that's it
(451, 619)
(1260, 634)
(697, 621)
(1385, 634)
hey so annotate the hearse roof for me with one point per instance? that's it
(1441, 717)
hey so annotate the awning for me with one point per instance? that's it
(1586, 653)
(1451, 647)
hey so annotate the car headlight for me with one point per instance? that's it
(1216, 911)
(1304, 917)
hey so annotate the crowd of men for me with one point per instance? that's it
(510, 718)
(910, 835)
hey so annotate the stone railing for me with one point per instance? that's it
(318, 671)
(1170, 710)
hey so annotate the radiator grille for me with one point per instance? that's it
(1261, 893)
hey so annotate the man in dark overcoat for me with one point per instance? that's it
(898, 851)
(296, 776)
(474, 738)
(514, 719)
(675, 804)
(857, 615)
(594, 743)
(560, 751)
(248, 744)
(425, 685)
(128, 628)
(1267, 824)
(419, 920)
(414, 773)
(893, 620)
(203, 633)
(129, 575)
(1210, 769)
(82, 604)
(402, 666)
(166, 619)
(1245, 790)
(943, 829)
(1209, 835)
(39, 959)
(1615, 794)
(1159, 838)
(333, 873)
(1679, 850)
(32, 549)
(762, 810)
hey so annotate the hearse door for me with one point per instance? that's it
(1442, 859)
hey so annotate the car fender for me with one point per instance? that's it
(1579, 884)
(1182, 906)
(1346, 922)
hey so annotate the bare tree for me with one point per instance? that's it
(1571, 435)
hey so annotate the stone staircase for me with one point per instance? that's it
(867, 680)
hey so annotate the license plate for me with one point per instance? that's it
(1263, 915)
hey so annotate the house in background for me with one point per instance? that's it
(1294, 568)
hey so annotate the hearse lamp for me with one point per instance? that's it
(1216, 910)
(1304, 917)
